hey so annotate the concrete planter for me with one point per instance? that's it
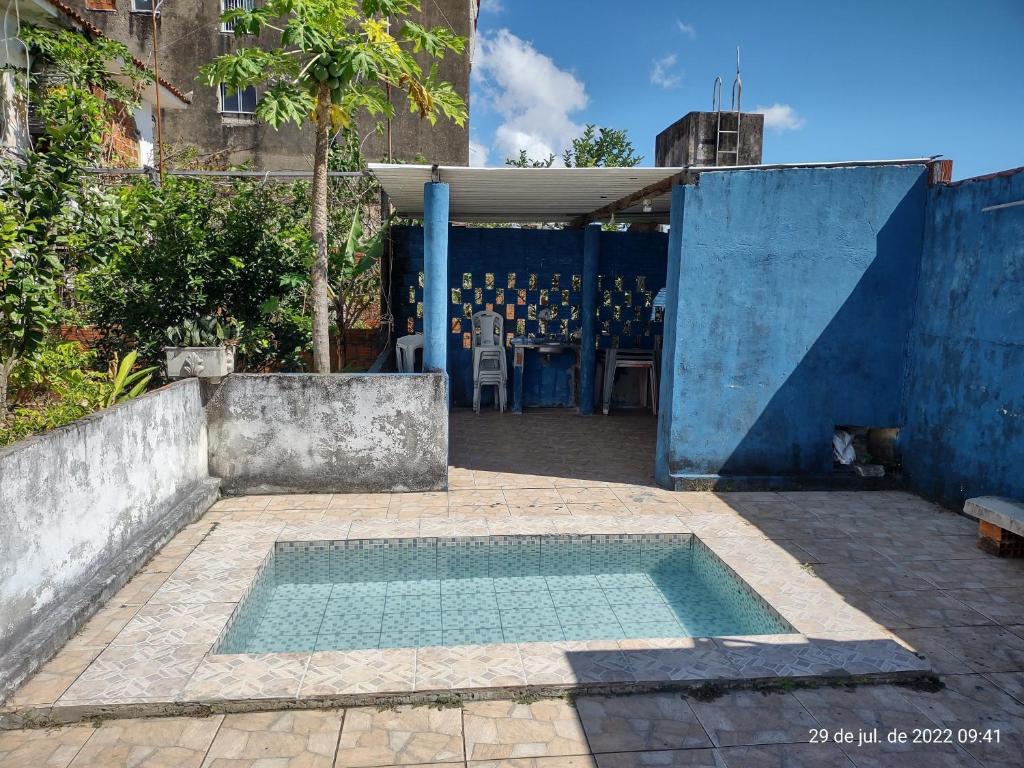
(202, 362)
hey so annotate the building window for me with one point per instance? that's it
(238, 103)
(230, 5)
(142, 6)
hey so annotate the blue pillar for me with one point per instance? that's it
(669, 388)
(435, 276)
(588, 337)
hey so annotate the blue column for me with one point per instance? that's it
(435, 276)
(669, 388)
(588, 309)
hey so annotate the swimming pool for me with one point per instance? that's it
(398, 593)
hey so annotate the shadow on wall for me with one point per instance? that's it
(965, 407)
(854, 372)
(795, 306)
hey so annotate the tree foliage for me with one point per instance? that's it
(46, 213)
(335, 60)
(236, 252)
(595, 147)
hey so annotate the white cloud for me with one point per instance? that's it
(687, 29)
(492, 6)
(533, 96)
(780, 117)
(478, 154)
(664, 73)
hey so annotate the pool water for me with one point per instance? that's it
(398, 593)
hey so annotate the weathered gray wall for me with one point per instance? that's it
(82, 507)
(334, 433)
(190, 36)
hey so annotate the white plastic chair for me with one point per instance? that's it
(489, 360)
(630, 358)
(405, 352)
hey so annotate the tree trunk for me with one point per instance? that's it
(321, 313)
(6, 367)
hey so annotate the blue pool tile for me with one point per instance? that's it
(545, 634)
(359, 589)
(469, 602)
(643, 613)
(479, 585)
(275, 643)
(635, 596)
(415, 587)
(356, 604)
(479, 636)
(292, 625)
(411, 621)
(287, 609)
(520, 584)
(302, 591)
(347, 642)
(652, 629)
(592, 631)
(406, 639)
(470, 619)
(349, 623)
(403, 603)
(623, 580)
(529, 617)
(569, 597)
(585, 614)
(577, 581)
(509, 600)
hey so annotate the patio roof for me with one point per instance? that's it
(531, 195)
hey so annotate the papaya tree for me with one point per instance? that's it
(336, 59)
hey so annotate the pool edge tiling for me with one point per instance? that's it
(162, 661)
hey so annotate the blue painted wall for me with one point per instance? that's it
(519, 272)
(793, 313)
(965, 403)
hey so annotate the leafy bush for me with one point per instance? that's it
(238, 253)
(60, 385)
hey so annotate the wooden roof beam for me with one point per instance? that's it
(625, 203)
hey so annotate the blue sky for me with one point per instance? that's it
(840, 79)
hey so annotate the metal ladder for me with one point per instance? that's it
(716, 105)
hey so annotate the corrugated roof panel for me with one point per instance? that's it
(525, 194)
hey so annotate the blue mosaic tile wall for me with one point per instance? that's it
(533, 278)
(392, 593)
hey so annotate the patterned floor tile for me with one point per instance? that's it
(572, 662)
(125, 674)
(172, 742)
(175, 624)
(675, 659)
(641, 722)
(503, 729)
(679, 758)
(352, 672)
(402, 736)
(300, 739)
(43, 748)
(247, 676)
(477, 666)
(750, 718)
(54, 678)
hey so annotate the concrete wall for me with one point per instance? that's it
(965, 405)
(82, 507)
(284, 433)
(792, 311)
(190, 37)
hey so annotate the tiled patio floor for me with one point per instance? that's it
(890, 557)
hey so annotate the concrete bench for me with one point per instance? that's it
(1000, 524)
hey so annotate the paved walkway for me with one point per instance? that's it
(910, 566)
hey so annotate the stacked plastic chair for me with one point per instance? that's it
(489, 359)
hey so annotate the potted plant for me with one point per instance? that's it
(204, 347)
